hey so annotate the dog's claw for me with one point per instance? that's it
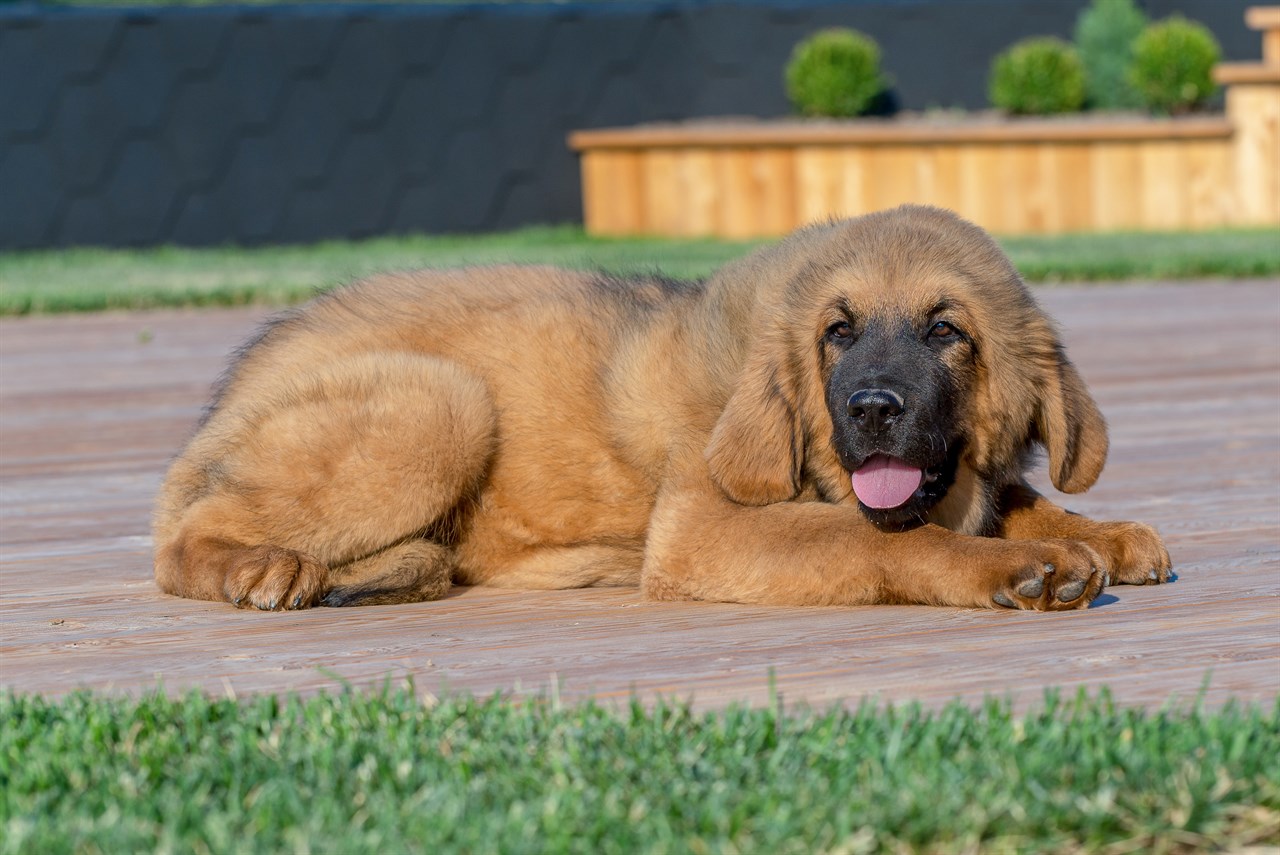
(1003, 599)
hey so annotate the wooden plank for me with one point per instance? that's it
(891, 176)
(702, 194)
(1116, 183)
(880, 132)
(977, 164)
(856, 167)
(91, 411)
(758, 192)
(1271, 47)
(1265, 18)
(1022, 197)
(705, 179)
(775, 169)
(741, 207)
(943, 179)
(1163, 200)
(1245, 73)
(1256, 150)
(611, 192)
(1069, 186)
(1209, 184)
(662, 195)
(821, 181)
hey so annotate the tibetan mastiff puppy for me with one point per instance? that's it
(843, 417)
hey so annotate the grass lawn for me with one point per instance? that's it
(390, 772)
(91, 279)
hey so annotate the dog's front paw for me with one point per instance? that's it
(271, 578)
(1050, 575)
(1133, 553)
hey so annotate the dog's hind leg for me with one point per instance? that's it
(322, 486)
(407, 572)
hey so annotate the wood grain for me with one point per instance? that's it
(1256, 150)
(750, 133)
(92, 407)
(1019, 185)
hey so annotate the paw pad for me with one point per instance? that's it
(1031, 589)
(1071, 591)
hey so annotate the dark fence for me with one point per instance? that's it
(211, 125)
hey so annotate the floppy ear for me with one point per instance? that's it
(1071, 428)
(757, 447)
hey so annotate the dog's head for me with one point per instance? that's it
(900, 364)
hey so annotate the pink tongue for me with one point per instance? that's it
(885, 482)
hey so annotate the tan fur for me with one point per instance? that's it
(544, 428)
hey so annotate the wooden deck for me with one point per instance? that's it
(91, 408)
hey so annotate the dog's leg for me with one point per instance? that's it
(1132, 552)
(408, 572)
(702, 546)
(309, 484)
(552, 567)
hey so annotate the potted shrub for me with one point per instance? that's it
(1034, 164)
(835, 73)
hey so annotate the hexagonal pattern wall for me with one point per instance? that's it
(212, 125)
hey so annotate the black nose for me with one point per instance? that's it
(873, 410)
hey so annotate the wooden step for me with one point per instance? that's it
(1267, 20)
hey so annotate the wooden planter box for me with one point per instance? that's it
(744, 179)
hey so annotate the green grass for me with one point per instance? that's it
(391, 772)
(1229, 254)
(93, 279)
(90, 279)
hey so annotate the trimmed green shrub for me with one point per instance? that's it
(834, 72)
(1104, 37)
(1038, 76)
(1173, 65)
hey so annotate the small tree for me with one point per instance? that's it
(834, 72)
(1173, 64)
(1038, 76)
(1104, 36)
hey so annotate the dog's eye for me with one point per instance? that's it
(840, 331)
(943, 330)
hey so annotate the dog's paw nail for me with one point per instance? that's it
(1071, 591)
(1003, 599)
(297, 602)
(1031, 589)
(1049, 568)
(1153, 575)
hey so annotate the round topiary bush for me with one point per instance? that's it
(834, 72)
(1038, 76)
(1173, 65)
(1104, 36)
